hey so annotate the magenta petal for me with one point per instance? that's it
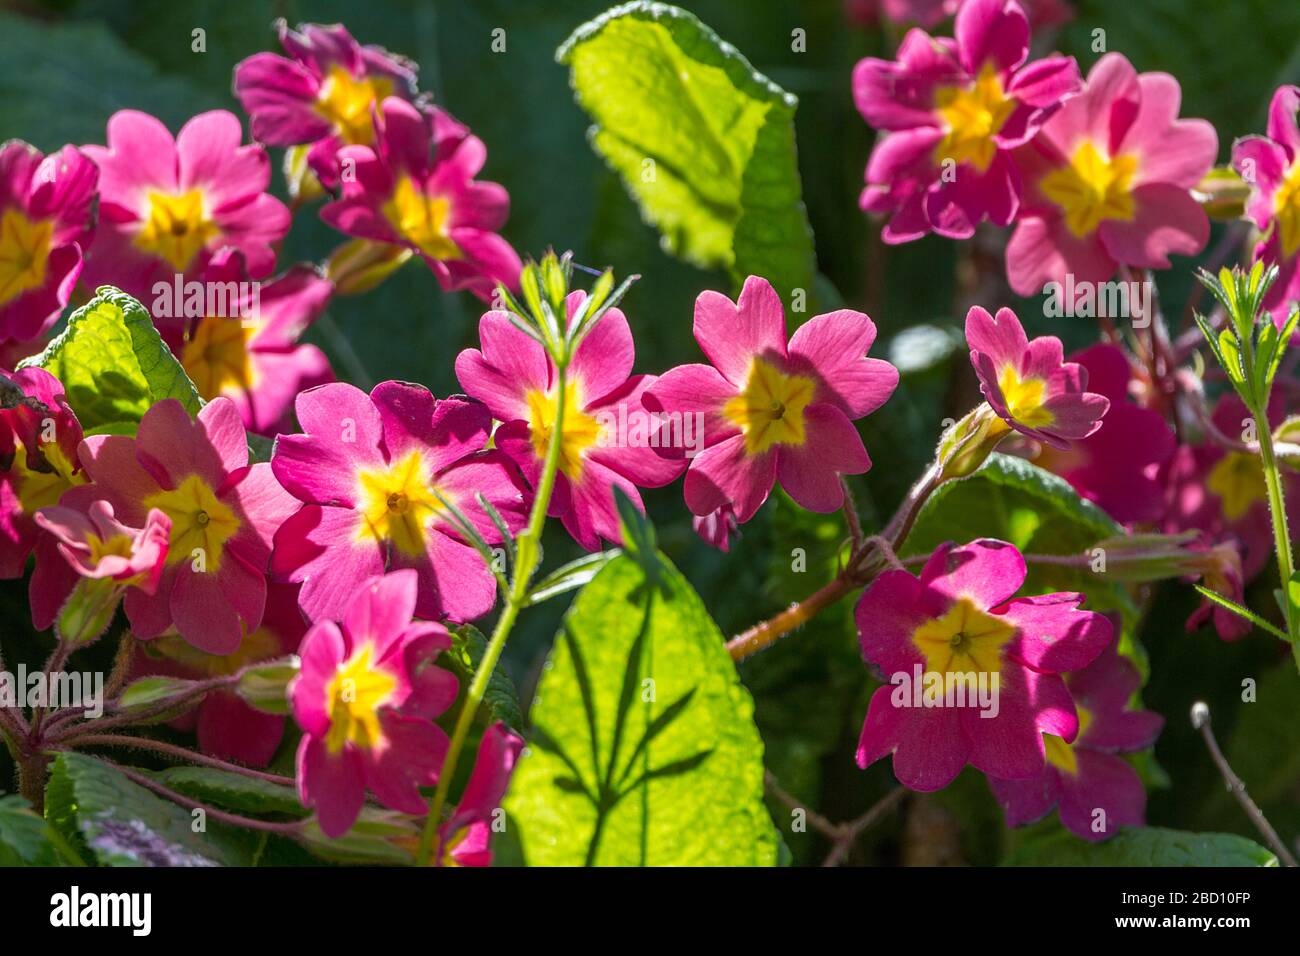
(510, 365)
(986, 572)
(231, 730)
(406, 411)
(412, 757)
(169, 439)
(459, 427)
(1025, 801)
(732, 334)
(380, 610)
(1042, 251)
(928, 744)
(811, 472)
(334, 784)
(604, 357)
(1052, 634)
(726, 474)
(1106, 794)
(1010, 745)
(322, 548)
(1002, 338)
(454, 581)
(323, 649)
(1046, 82)
(592, 513)
(887, 615)
(201, 611)
(212, 159)
(1282, 119)
(344, 416)
(493, 475)
(1166, 220)
(835, 346)
(991, 32)
(695, 389)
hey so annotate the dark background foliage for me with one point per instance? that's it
(66, 65)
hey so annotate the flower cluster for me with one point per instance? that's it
(1095, 175)
(282, 544)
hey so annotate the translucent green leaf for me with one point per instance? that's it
(643, 749)
(113, 364)
(704, 143)
(1142, 846)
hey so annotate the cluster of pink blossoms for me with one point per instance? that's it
(349, 546)
(1094, 174)
(220, 562)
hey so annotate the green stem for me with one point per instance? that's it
(1281, 534)
(527, 555)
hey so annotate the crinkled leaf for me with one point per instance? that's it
(643, 749)
(1142, 846)
(501, 698)
(233, 791)
(24, 838)
(123, 824)
(704, 143)
(113, 364)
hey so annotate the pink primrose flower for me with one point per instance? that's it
(974, 675)
(373, 474)
(774, 409)
(365, 699)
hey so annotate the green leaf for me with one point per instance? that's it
(703, 142)
(1015, 501)
(573, 575)
(1239, 610)
(124, 824)
(501, 698)
(148, 691)
(113, 364)
(24, 837)
(1143, 846)
(379, 836)
(233, 791)
(266, 686)
(643, 751)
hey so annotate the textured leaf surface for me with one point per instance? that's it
(1144, 846)
(704, 143)
(124, 824)
(643, 750)
(113, 364)
(23, 837)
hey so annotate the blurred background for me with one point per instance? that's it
(66, 65)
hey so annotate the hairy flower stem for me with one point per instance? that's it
(527, 557)
(235, 820)
(180, 753)
(1281, 534)
(872, 556)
